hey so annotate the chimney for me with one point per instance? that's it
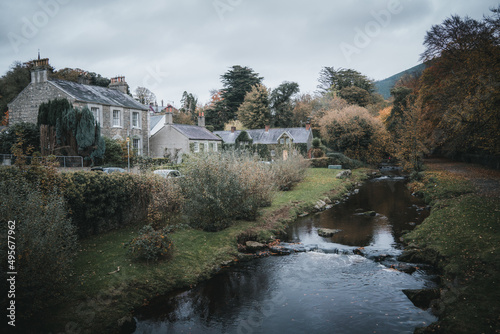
(267, 128)
(233, 129)
(119, 84)
(169, 119)
(308, 126)
(201, 119)
(39, 73)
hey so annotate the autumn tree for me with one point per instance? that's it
(254, 112)
(460, 94)
(354, 132)
(356, 95)
(281, 104)
(144, 95)
(81, 76)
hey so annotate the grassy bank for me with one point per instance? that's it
(107, 285)
(461, 237)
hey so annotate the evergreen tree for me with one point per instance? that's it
(237, 82)
(282, 105)
(254, 112)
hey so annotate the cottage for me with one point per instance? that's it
(174, 140)
(273, 138)
(117, 112)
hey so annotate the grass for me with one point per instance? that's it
(463, 228)
(101, 298)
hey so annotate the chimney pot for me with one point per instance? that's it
(308, 126)
(233, 129)
(267, 128)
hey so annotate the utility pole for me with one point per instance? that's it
(128, 151)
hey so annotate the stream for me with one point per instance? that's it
(324, 286)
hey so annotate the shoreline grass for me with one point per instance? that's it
(463, 231)
(108, 285)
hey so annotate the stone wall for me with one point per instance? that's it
(24, 108)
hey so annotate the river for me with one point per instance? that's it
(325, 289)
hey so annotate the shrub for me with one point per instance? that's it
(166, 200)
(45, 241)
(287, 173)
(219, 188)
(150, 244)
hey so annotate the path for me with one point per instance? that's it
(486, 180)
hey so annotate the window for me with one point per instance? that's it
(282, 141)
(196, 147)
(136, 145)
(214, 147)
(97, 114)
(205, 146)
(117, 118)
(136, 120)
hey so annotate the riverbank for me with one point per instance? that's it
(107, 285)
(461, 238)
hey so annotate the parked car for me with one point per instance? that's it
(108, 170)
(168, 173)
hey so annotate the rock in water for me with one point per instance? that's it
(327, 232)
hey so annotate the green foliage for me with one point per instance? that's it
(113, 153)
(335, 80)
(45, 240)
(281, 104)
(30, 135)
(254, 112)
(76, 130)
(100, 202)
(12, 83)
(237, 82)
(150, 244)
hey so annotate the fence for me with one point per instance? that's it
(64, 161)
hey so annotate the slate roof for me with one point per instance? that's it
(260, 136)
(97, 94)
(192, 132)
(195, 132)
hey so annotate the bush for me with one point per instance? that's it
(45, 241)
(100, 202)
(219, 188)
(150, 244)
(166, 200)
(287, 173)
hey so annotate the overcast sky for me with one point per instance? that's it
(175, 46)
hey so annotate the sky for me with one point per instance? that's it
(174, 46)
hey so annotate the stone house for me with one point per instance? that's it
(174, 140)
(275, 139)
(117, 112)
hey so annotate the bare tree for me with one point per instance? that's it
(144, 95)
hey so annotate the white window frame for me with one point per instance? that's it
(214, 146)
(120, 119)
(139, 145)
(97, 117)
(132, 112)
(196, 147)
(205, 146)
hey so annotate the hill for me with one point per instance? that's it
(384, 87)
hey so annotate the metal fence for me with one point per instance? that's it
(64, 161)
